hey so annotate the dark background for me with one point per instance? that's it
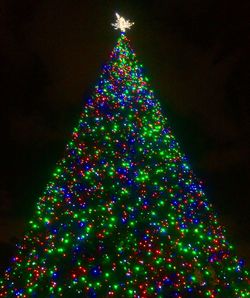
(196, 54)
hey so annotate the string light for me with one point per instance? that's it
(124, 215)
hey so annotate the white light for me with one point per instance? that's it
(121, 23)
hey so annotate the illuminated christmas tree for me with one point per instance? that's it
(123, 214)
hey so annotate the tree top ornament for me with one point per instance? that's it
(121, 23)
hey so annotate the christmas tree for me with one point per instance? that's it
(123, 214)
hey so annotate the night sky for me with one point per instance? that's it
(196, 54)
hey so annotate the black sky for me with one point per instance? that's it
(196, 54)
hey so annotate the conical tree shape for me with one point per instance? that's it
(124, 215)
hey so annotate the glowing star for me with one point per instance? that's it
(121, 23)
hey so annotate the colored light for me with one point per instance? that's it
(124, 214)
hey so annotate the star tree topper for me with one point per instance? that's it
(121, 23)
